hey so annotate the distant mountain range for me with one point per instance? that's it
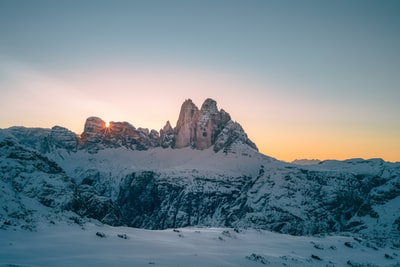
(204, 172)
(306, 161)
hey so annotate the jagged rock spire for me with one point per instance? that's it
(93, 130)
(167, 136)
(210, 123)
(197, 128)
(186, 125)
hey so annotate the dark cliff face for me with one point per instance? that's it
(295, 201)
(148, 200)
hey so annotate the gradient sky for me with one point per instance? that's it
(306, 79)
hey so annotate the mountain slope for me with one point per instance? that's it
(168, 188)
(123, 176)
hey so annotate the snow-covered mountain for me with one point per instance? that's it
(198, 129)
(205, 172)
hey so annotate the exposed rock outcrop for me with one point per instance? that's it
(288, 199)
(61, 137)
(94, 130)
(210, 124)
(167, 136)
(207, 127)
(195, 128)
(26, 177)
(93, 133)
(150, 201)
(186, 125)
(35, 138)
(118, 134)
(88, 202)
(232, 133)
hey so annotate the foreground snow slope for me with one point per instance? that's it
(73, 245)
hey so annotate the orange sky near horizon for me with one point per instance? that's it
(305, 79)
(282, 126)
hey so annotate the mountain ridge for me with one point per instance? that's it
(217, 181)
(195, 128)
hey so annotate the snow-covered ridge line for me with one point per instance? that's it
(196, 128)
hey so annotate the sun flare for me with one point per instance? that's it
(107, 124)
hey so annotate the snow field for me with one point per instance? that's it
(73, 245)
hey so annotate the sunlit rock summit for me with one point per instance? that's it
(207, 127)
(119, 134)
(196, 128)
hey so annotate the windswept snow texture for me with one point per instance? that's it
(91, 245)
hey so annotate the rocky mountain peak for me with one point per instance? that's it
(195, 128)
(185, 126)
(232, 133)
(61, 137)
(208, 127)
(167, 127)
(210, 124)
(167, 136)
(93, 132)
(94, 124)
(119, 134)
(210, 106)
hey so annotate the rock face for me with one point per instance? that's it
(186, 125)
(119, 134)
(94, 130)
(167, 136)
(61, 137)
(45, 140)
(28, 177)
(148, 200)
(298, 201)
(210, 123)
(200, 129)
(232, 133)
(195, 128)
(35, 138)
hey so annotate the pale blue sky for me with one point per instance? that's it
(295, 74)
